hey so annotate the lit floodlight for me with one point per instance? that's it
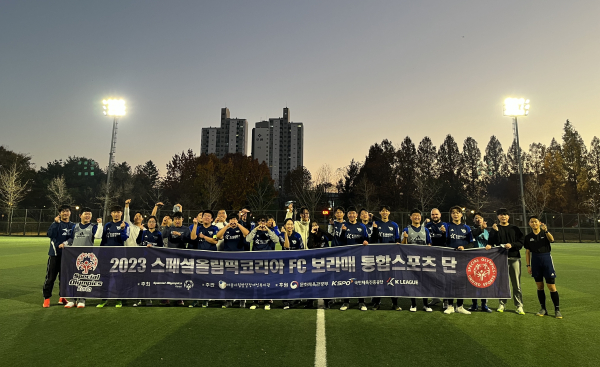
(113, 107)
(516, 107)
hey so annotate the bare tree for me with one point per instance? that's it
(12, 190)
(427, 192)
(536, 195)
(212, 191)
(262, 197)
(58, 193)
(113, 195)
(309, 192)
(366, 193)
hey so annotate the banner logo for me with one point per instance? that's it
(188, 284)
(294, 284)
(222, 284)
(86, 262)
(390, 281)
(482, 272)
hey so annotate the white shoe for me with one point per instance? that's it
(363, 307)
(449, 310)
(445, 305)
(462, 310)
(253, 307)
(500, 308)
(520, 311)
(70, 304)
(427, 309)
(81, 304)
(344, 307)
(413, 309)
(268, 306)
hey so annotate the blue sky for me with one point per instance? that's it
(354, 72)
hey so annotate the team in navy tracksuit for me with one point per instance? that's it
(458, 237)
(263, 237)
(59, 232)
(150, 238)
(115, 233)
(353, 233)
(387, 232)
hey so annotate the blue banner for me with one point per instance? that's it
(379, 270)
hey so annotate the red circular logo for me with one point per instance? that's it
(482, 272)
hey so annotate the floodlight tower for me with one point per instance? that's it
(514, 107)
(116, 109)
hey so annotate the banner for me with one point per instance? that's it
(376, 270)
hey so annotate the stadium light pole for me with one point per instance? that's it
(114, 108)
(514, 107)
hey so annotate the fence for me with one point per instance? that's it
(564, 227)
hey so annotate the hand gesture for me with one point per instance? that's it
(291, 206)
(313, 230)
(202, 236)
(176, 233)
(195, 221)
(365, 243)
(443, 228)
(374, 225)
(57, 219)
(495, 227)
(508, 245)
(344, 227)
(99, 220)
(127, 202)
(180, 207)
(483, 225)
(330, 220)
(544, 227)
(122, 225)
(159, 204)
(370, 216)
(427, 220)
(404, 234)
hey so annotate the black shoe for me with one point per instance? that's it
(309, 305)
(376, 306)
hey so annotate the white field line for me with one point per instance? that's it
(321, 347)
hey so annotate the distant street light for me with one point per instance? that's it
(514, 107)
(115, 108)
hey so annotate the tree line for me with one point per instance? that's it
(562, 177)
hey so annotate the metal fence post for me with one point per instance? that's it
(40, 222)
(579, 227)
(25, 223)
(562, 221)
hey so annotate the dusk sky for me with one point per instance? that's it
(354, 72)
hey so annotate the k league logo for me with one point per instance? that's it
(86, 261)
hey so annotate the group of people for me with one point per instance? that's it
(242, 232)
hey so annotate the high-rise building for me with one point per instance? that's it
(231, 137)
(279, 143)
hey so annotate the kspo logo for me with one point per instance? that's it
(482, 272)
(86, 262)
(343, 282)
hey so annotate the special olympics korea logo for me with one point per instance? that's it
(86, 262)
(482, 272)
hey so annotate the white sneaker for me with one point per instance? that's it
(81, 304)
(500, 308)
(520, 311)
(413, 309)
(445, 305)
(462, 310)
(344, 307)
(70, 304)
(427, 309)
(363, 307)
(253, 307)
(449, 310)
(268, 306)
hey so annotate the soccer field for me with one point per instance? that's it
(147, 336)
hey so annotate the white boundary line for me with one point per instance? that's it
(321, 346)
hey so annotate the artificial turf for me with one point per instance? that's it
(32, 335)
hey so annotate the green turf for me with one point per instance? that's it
(32, 335)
